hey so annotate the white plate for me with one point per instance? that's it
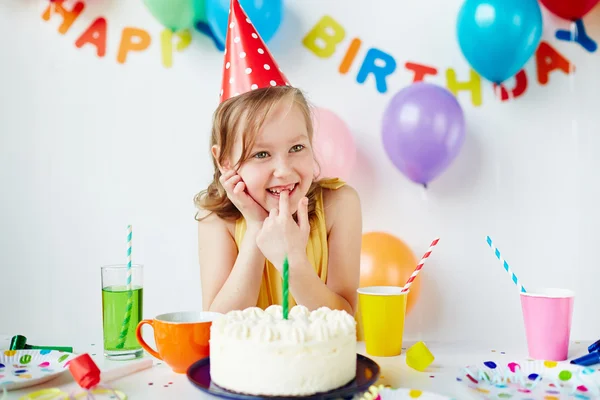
(24, 368)
(531, 379)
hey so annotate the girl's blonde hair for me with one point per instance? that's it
(245, 115)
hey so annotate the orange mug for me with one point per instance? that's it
(182, 338)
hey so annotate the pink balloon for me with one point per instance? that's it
(333, 145)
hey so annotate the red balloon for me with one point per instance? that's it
(569, 9)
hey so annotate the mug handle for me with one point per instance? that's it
(138, 335)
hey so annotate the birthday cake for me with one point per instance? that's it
(257, 352)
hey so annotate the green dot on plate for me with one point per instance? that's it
(565, 375)
(25, 359)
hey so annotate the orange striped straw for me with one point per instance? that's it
(419, 266)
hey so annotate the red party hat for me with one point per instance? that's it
(248, 63)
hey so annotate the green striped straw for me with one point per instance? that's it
(125, 327)
(286, 283)
(505, 265)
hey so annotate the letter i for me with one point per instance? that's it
(350, 55)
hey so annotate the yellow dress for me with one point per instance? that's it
(316, 251)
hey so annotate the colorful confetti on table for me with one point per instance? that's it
(388, 393)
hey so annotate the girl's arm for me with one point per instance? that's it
(343, 275)
(230, 280)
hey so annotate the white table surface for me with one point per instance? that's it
(159, 382)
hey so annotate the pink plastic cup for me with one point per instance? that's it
(547, 314)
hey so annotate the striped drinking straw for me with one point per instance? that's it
(129, 306)
(419, 265)
(286, 287)
(505, 265)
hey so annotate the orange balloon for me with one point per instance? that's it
(386, 260)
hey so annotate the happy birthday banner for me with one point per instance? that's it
(330, 35)
(324, 40)
(133, 40)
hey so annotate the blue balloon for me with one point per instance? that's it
(498, 37)
(265, 15)
(204, 28)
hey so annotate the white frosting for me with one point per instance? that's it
(302, 324)
(258, 352)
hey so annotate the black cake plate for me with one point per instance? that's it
(367, 373)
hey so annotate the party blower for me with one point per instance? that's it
(19, 342)
(592, 358)
(547, 314)
(91, 380)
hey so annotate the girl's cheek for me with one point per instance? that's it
(252, 178)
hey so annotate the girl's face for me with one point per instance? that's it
(280, 159)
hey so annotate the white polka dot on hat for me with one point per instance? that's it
(248, 63)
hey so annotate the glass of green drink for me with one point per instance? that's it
(122, 310)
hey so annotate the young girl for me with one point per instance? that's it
(264, 204)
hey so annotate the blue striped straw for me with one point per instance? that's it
(125, 326)
(129, 234)
(505, 265)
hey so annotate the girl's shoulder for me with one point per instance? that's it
(209, 220)
(339, 203)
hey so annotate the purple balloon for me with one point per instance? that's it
(423, 130)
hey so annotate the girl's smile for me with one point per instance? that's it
(276, 190)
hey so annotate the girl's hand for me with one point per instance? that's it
(235, 187)
(281, 235)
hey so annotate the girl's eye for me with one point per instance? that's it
(261, 154)
(297, 148)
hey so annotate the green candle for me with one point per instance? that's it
(286, 278)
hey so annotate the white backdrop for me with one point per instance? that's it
(89, 145)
